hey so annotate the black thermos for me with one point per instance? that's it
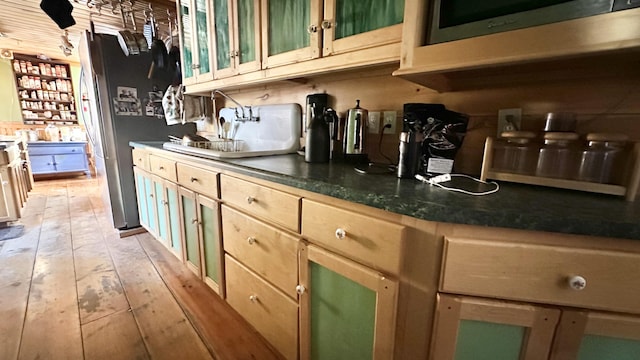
(318, 138)
(409, 154)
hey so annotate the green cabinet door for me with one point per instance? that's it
(247, 31)
(161, 210)
(202, 40)
(190, 229)
(173, 208)
(210, 242)
(150, 205)
(222, 33)
(287, 26)
(354, 17)
(347, 309)
(482, 329)
(186, 38)
(141, 196)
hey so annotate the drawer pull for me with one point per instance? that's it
(340, 233)
(253, 298)
(161, 168)
(251, 240)
(577, 282)
(250, 199)
(300, 289)
(193, 179)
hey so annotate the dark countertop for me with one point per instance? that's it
(515, 206)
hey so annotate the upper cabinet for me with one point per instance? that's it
(236, 37)
(195, 30)
(600, 45)
(257, 41)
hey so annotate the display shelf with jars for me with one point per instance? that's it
(45, 91)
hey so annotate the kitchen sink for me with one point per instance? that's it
(277, 131)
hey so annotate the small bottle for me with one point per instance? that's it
(602, 160)
(558, 157)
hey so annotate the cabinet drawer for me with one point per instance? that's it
(57, 149)
(140, 159)
(541, 273)
(199, 180)
(264, 249)
(163, 167)
(273, 314)
(376, 243)
(273, 205)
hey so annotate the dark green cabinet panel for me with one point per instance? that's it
(190, 219)
(473, 336)
(247, 31)
(342, 316)
(359, 16)
(141, 195)
(288, 22)
(602, 347)
(202, 36)
(174, 220)
(185, 38)
(210, 241)
(223, 40)
(161, 211)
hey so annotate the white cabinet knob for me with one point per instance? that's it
(251, 240)
(194, 221)
(300, 289)
(253, 298)
(340, 233)
(577, 282)
(250, 199)
(193, 179)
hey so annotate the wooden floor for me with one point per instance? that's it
(71, 288)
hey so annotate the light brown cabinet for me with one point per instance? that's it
(558, 51)
(534, 301)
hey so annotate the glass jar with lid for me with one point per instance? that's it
(558, 157)
(52, 132)
(516, 152)
(602, 160)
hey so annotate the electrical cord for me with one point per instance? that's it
(438, 180)
(378, 168)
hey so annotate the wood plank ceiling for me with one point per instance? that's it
(26, 29)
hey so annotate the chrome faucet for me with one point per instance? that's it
(244, 116)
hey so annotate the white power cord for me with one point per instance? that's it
(437, 180)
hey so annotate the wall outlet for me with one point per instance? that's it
(389, 118)
(374, 122)
(509, 120)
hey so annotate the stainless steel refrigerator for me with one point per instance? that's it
(115, 92)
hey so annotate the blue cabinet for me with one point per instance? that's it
(58, 157)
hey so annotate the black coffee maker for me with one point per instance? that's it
(429, 132)
(321, 129)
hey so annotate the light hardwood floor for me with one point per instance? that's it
(71, 288)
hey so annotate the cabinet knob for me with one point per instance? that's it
(326, 24)
(161, 168)
(577, 282)
(194, 221)
(300, 289)
(253, 298)
(164, 202)
(250, 199)
(251, 240)
(150, 195)
(193, 179)
(312, 28)
(340, 233)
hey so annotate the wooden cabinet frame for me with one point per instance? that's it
(540, 322)
(386, 292)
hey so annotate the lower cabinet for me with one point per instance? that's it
(347, 311)
(555, 302)
(201, 234)
(58, 157)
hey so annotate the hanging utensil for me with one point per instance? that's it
(126, 40)
(141, 41)
(147, 29)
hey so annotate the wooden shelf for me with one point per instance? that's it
(600, 45)
(628, 190)
(46, 77)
